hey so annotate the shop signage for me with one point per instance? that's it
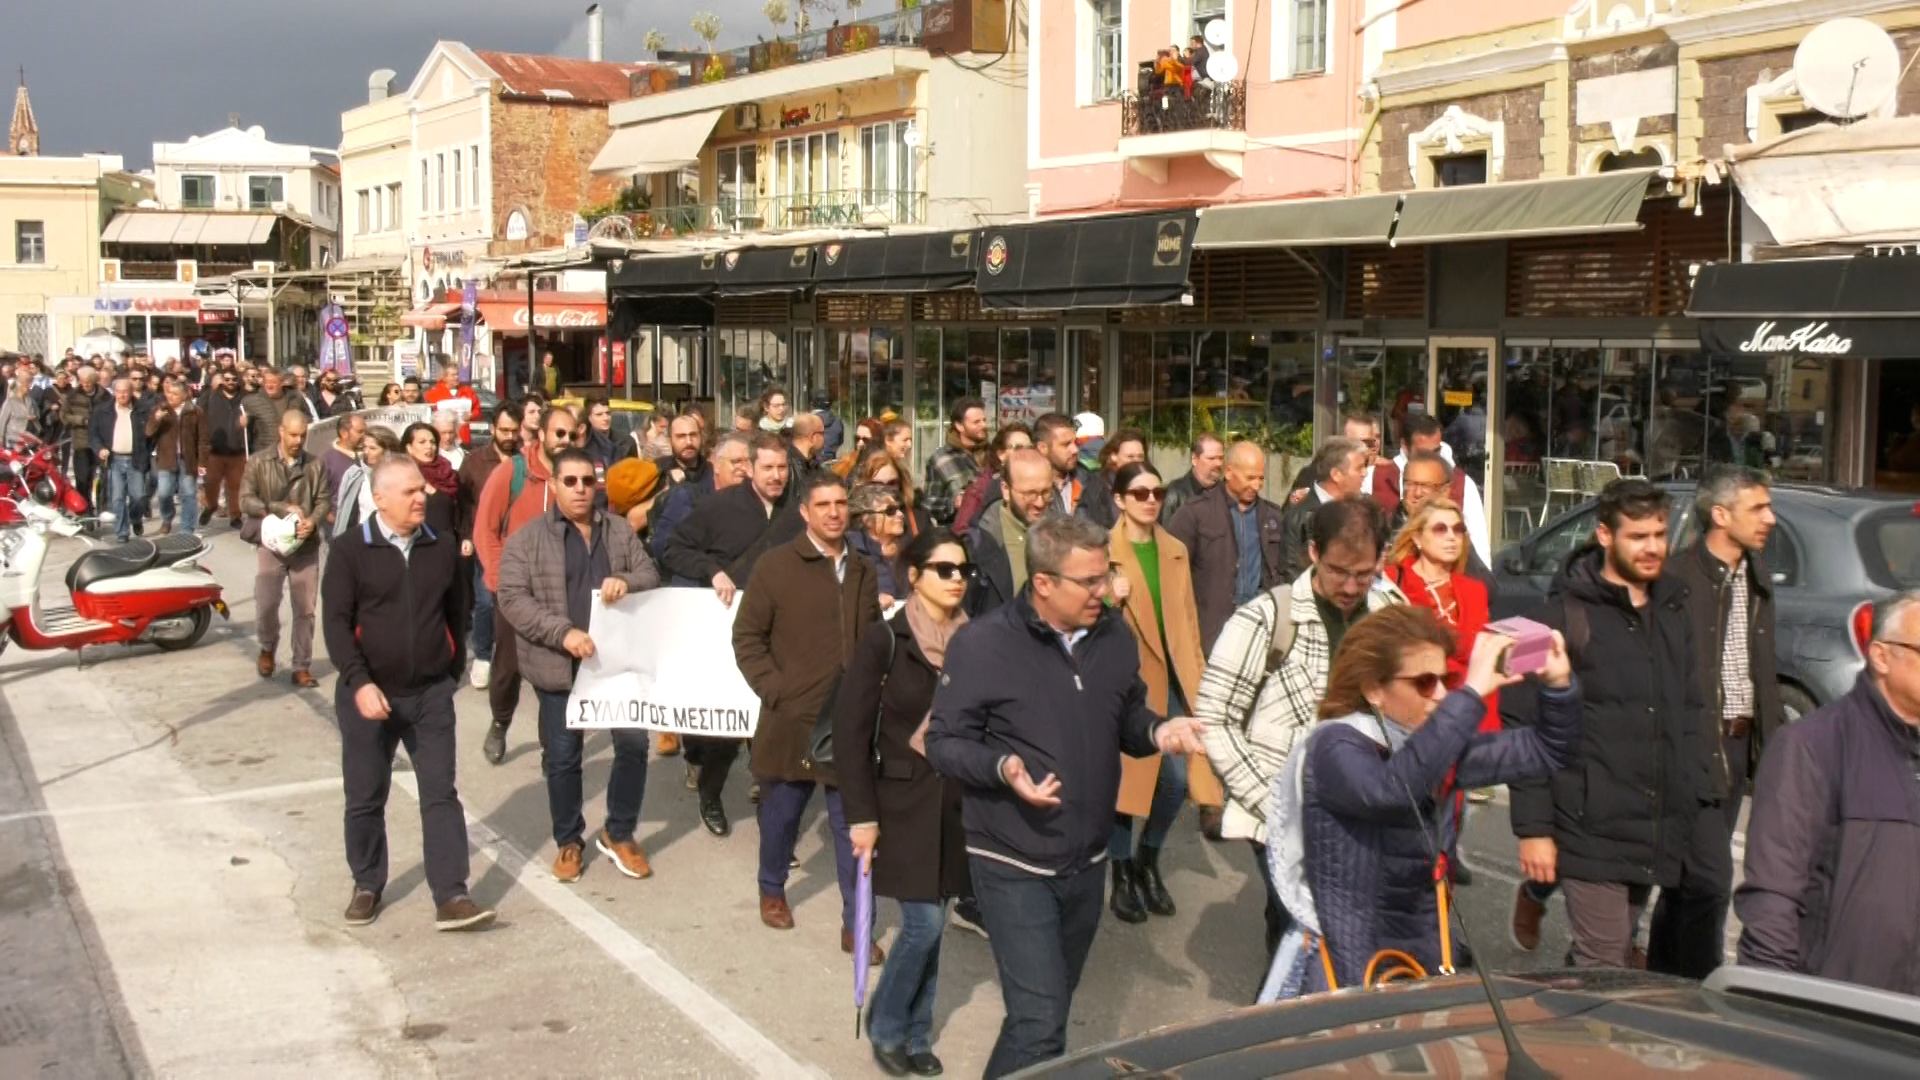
(429, 259)
(145, 305)
(209, 315)
(831, 253)
(565, 318)
(1169, 242)
(1813, 338)
(996, 255)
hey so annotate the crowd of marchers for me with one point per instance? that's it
(1031, 660)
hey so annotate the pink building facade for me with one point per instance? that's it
(1287, 122)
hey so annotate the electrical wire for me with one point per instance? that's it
(1015, 13)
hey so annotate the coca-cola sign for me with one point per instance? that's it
(1813, 338)
(564, 318)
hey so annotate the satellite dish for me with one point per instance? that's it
(1222, 67)
(1847, 68)
(1216, 33)
(912, 136)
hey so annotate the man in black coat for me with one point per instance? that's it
(997, 543)
(1038, 699)
(1337, 471)
(730, 463)
(716, 547)
(1619, 820)
(1730, 601)
(1234, 540)
(395, 625)
(1209, 460)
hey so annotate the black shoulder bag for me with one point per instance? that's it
(820, 747)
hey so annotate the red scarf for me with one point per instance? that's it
(441, 477)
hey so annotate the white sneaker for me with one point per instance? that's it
(482, 670)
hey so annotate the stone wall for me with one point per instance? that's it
(1519, 110)
(542, 154)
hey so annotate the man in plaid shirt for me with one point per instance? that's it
(954, 466)
(1268, 670)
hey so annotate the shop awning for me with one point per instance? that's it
(1367, 219)
(907, 263)
(188, 229)
(243, 230)
(657, 146)
(430, 317)
(763, 271)
(1609, 202)
(1858, 184)
(505, 312)
(1113, 261)
(1860, 306)
(663, 275)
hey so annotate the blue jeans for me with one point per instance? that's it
(902, 1008)
(178, 487)
(1041, 930)
(781, 805)
(126, 493)
(560, 754)
(1169, 795)
(482, 615)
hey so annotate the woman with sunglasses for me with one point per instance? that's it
(904, 818)
(1365, 813)
(1428, 561)
(877, 532)
(390, 395)
(879, 466)
(1013, 435)
(1154, 591)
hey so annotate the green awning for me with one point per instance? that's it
(1609, 202)
(1367, 219)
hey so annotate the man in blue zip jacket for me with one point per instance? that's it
(1038, 701)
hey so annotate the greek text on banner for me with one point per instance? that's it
(663, 659)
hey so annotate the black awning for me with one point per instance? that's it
(760, 271)
(662, 276)
(1860, 306)
(909, 263)
(1117, 261)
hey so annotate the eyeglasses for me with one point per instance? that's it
(1417, 485)
(1441, 528)
(1337, 574)
(1424, 683)
(947, 571)
(575, 481)
(1902, 645)
(1155, 494)
(1096, 584)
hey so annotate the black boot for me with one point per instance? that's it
(1126, 893)
(1153, 888)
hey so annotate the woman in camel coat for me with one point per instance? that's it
(1154, 591)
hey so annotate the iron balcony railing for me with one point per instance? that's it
(906, 27)
(1208, 106)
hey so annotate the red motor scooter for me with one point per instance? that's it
(143, 591)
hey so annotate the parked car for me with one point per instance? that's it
(1834, 553)
(480, 428)
(1741, 1022)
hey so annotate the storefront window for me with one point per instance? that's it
(1579, 414)
(1255, 385)
(751, 361)
(1385, 380)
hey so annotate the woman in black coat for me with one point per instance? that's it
(904, 817)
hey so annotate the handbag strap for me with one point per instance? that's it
(880, 708)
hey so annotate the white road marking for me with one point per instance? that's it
(727, 1029)
(255, 794)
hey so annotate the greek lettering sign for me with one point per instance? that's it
(663, 659)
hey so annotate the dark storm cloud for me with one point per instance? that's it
(120, 75)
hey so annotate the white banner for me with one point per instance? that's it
(663, 659)
(395, 418)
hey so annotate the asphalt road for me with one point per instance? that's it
(172, 878)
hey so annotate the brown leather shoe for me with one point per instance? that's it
(879, 955)
(626, 855)
(669, 746)
(1527, 914)
(461, 913)
(567, 864)
(775, 913)
(264, 665)
(304, 680)
(364, 907)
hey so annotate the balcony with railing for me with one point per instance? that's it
(1161, 123)
(739, 214)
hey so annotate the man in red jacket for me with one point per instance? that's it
(515, 494)
(450, 388)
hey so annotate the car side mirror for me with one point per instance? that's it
(1513, 562)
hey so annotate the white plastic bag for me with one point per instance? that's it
(278, 533)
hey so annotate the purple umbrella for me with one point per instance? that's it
(862, 940)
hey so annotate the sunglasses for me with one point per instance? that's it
(1424, 684)
(1155, 494)
(575, 481)
(888, 511)
(947, 571)
(564, 433)
(1441, 528)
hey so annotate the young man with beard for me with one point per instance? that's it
(953, 467)
(997, 543)
(475, 471)
(1619, 819)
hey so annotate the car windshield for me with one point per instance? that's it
(1890, 547)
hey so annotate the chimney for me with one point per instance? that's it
(596, 33)
(380, 85)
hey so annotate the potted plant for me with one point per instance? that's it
(706, 25)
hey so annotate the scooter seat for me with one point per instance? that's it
(128, 559)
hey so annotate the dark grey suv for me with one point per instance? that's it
(1833, 554)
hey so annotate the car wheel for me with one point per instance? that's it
(1796, 702)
